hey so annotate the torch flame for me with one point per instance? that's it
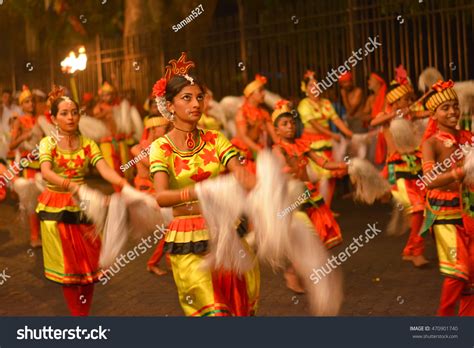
(71, 63)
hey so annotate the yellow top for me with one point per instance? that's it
(209, 158)
(72, 165)
(321, 112)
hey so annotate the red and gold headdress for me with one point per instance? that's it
(400, 86)
(310, 75)
(56, 93)
(282, 107)
(254, 85)
(106, 88)
(442, 91)
(155, 121)
(175, 67)
(347, 76)
(25, 94)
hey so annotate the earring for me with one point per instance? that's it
(57, 128)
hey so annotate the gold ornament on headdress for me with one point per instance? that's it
(281, 107)
(25, 94)
(178, 67)
(56, 93)
(441, 92)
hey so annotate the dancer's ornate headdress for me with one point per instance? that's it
(175, 67)
(282, 107)
(254, 85)
(106, 88)
(309, 74)
(441, 91)
(347, 76)
(155, 121)
(400, 86)
(56, 93)
(25, 93)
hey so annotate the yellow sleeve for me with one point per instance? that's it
(332, 114)
(224, 149)
(159, 157)
(96, 154)
(308, 112)
(45, 148)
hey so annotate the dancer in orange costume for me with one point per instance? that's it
(112, 146)
(444, 214)
(254, 125)
(296, 152)
(403, 166)
(21, 131)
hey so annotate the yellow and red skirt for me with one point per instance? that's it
(443, 216)
(71, 247)
(403, 173)
(322, 218)
(204, 292)
(322, 144)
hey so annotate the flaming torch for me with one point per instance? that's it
(73, 63)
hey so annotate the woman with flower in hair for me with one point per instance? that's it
(316, 112)
(71, 244)
(447, 215)
(254, 125)
(179, 160)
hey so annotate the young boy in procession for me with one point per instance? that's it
(21, 131)
(296, 154)
(448, 203)
(155, 127)
(403, 163)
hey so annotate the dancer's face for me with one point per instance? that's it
(107, 97)
(188, 104)
(28, 105)
(346, 85)
(404, 101)
(286, 127)
(447, 114)
(258, 96)
(67, 117)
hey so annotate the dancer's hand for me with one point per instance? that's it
(245, 178)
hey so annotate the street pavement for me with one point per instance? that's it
(376, 281)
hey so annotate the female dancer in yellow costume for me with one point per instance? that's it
(71, 245)
(180, 159)
(316, 112)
